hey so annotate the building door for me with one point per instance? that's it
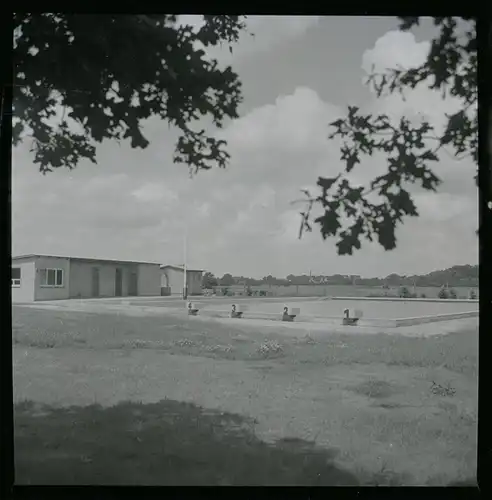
(132, 286)
(118, 283)
(95, 282)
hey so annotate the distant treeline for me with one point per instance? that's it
(456, 276)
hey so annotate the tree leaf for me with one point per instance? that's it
(113, 72)
(450, 68)
(327, 182)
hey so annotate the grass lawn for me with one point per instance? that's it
(164, 443)
(116, 399)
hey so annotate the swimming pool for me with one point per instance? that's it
(334, 308)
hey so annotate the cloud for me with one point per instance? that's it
(296, 121)
(137, 204)
(80, 215)
(393, 50)
(262, 33)
(458, 193)
(150, 192)
(397, 49)
(272, 31)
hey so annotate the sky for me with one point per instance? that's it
(298, 74)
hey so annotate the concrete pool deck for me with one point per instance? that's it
(319, 330)
(318, 326)
(336, 320)
(375, 313)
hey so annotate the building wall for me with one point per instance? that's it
(81, 278)
(25, 292)
(77, 279)
(194, 282)
(173, 278)
(149, 280)
(107, 274)
(43, 292)
(127, 272)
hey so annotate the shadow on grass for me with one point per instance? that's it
(377, 389)
(165, 443)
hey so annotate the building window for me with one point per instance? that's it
(51, 277)
(16, 276)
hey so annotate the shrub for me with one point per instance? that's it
(138, 344)
(442, 390)
(472, 295)
(423, 295)
(452, 294)
(308, 339)
(270, 349)
(184, 343)
(219, 348)
(443, 293)
(404, 292)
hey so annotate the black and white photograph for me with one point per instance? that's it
(244, 250)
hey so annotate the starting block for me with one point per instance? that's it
(192, 308)
(351, 316)
(290, 313)
(237, 310)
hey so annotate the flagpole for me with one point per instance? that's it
(185, 284)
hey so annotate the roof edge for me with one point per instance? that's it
(33, 256)
(180, 268)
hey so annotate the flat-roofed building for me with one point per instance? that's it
(50, 277)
